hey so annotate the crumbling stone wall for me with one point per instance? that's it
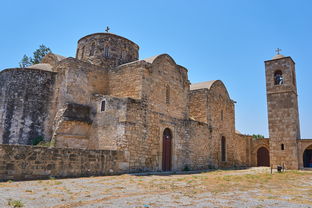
(73, 127)
(77, 82)
(25, 99)
(19, 162)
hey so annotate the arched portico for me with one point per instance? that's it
(307, 157)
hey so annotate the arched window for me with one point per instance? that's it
(282, 147)
(167, 94)
(82, 52)
(278, 78)
(103, 105)
(223, 149)
(293, 78)
(92, 49)
(106, 51)
(77, 53)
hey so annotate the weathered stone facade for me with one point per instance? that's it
(283, 115)
(108, 99)
(25, 99)
(283, 112)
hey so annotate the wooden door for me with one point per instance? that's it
(167, 146)
(263, 157)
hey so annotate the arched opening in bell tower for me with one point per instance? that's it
(278, 77)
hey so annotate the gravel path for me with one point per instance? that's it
(254, 187)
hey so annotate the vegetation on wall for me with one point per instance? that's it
(39, 141)
(257, 136)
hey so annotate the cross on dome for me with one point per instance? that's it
(278, 50)
(107, 29)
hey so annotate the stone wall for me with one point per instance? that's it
(77, 82)
(200, 147)
(243, 150)
(108, 127)
(25, 100)
(198, 105)
(126, 80)
(29, 162)
(166, 87)
(73, 127)
(221, 118)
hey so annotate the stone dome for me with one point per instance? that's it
(278, 56)
(107, 50)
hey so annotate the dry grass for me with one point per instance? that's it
(290, 186)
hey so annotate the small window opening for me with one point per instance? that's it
(82, 52)
(103, 105)
(106, 52)
(282, 147)
(223, 149)
(278, 78)
(221, 115)
(167, 94)
(92, 49)
(294, 78)
(77, 53)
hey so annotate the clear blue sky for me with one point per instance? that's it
(219, 39)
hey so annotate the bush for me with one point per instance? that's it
(37, 140)
(186, 168)
(15, 203)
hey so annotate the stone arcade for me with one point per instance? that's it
(106, 111)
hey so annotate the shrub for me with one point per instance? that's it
(15, 203)
(37, 140)
(186, 168)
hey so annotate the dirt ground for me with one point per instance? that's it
(254, 187)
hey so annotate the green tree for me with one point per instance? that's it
(37, 56)
(25, 62)
(257, 136)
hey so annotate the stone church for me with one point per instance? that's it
(106, 98)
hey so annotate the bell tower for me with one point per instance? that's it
(283, 115)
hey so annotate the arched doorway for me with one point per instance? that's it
(166, 153)
(263, 157)
(307, 157)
